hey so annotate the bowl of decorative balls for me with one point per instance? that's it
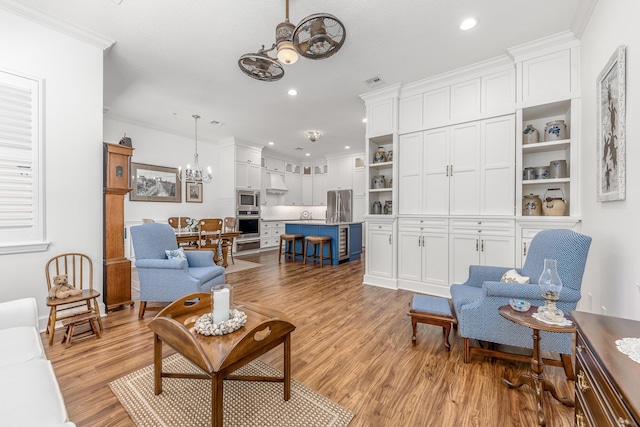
(519, 304)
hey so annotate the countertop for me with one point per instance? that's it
(319, 222)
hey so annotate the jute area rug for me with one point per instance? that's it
(187, 402)
(240, 265)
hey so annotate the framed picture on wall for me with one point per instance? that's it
(610, 125)
(154, 184)
(194, 192)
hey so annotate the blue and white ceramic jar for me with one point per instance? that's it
(555, 131)
(530, 135)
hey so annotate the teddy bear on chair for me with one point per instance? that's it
(61, 288)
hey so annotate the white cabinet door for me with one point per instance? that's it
(307, 190)
(435, 110)
(498, 251)
(266, 178)
(275, 165)
(294, 186)
(410, 191)
(410, 255)
(465, 101)
(320, 189)
(339, 173)
(436, 171)
(248, 176)
(380, 118)
(497, 160)
(498, 93)
(248, 155)
(410, 114)
(435, 255)
(379, 250)
(463, 252)
(358, 208)
(465, 169)
(359, 182)
(547, 78)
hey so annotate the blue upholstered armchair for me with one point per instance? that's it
(163, 279)
(476, 301)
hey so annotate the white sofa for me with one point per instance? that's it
(29, 394)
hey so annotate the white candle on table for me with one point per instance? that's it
(220, 305)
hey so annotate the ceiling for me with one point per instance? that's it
(175, 58)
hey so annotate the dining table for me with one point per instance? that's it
(191, 240)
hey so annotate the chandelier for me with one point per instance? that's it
(196, 174)
(313, 135)
(317, 36)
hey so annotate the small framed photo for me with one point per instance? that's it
(611, 128)
(194, 192)
(154, 184)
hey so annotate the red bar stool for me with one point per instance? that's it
(317, 242)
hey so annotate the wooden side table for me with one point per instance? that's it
(535, 379)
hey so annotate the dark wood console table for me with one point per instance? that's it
(608, 381)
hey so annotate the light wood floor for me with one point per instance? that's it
(352, 344)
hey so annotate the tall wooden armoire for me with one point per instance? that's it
(116, 268)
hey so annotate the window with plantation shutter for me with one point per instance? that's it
(21, 189)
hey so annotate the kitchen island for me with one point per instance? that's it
(346, 238)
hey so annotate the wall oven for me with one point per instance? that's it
(249, 227)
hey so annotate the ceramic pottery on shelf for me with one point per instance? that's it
(388, 209)
(380, 155)
(541, 172)
(555, 131)
(530, 135)
(378, 182)
(377, 208)
(531, 205)
(528, 173)
(558, 169)
(390, 156)
(554, 204)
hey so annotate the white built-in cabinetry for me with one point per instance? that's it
(248, 167)
(270, 232)
(458, 164)
(319, 184)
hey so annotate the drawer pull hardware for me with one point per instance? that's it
(477, 243)
(525, 249)
(580, 422)
(622, 422)
(389, 238)
(580, 347)
(447, 171)
(583, 383)
(482, 245)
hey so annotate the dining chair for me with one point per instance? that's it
(79, 270)
(210, 236)
(230, 224)
(179, 223)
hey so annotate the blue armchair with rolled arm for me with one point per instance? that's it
(163, 279)
(477, 301)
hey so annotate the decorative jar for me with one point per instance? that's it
(377, 208)
(380, 155)
(554, 204)
(378, 182)
(555, 131)
(558, 169)
(388, 208)
(531, 205)
(530, 135)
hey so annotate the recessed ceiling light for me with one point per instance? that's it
(292, 92)
(364, 120)
(308, 154)
(346, 147)
(468, 24)
(270, 142)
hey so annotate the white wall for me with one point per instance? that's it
(613, 267)
(155, 147)
(73, 149)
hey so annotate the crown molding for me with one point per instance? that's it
(582, 16)
(543, 46)
(78, 33)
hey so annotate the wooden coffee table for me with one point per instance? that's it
(535, 379)
(219, 356)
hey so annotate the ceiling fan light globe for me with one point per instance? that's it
(286, 53)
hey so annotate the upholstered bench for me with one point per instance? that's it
(432, 310)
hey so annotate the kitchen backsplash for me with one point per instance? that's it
(291, 212)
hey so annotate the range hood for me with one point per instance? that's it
(276, 184)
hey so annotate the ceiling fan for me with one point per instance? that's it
(317, 36)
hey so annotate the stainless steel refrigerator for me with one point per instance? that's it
(339, 206)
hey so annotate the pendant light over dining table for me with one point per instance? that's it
(195, 173)
(317, 36)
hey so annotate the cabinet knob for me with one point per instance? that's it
(583, 382)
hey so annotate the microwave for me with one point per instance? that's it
(248, 200)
